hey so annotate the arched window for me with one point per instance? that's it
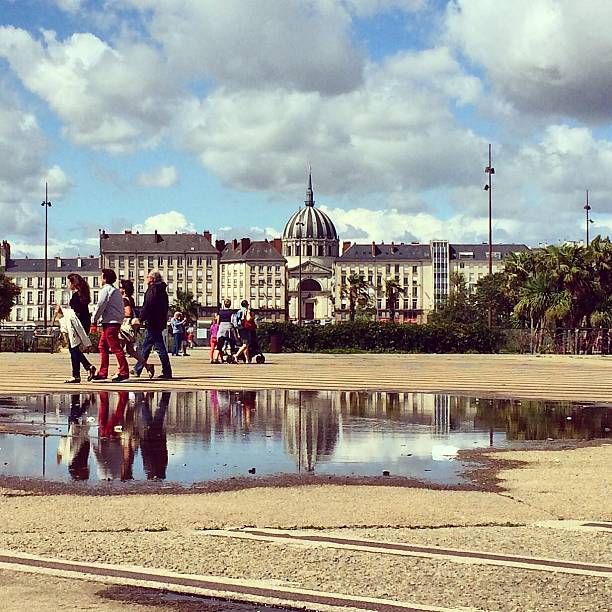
(320, 251)
(289, 250)
(309, 284)
(309, 250)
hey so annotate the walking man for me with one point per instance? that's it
(109, 314)
(154, 313)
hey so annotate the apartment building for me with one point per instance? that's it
(472, 260)
(255, 271)
(29, 275)
(410, 265)
(188, 262)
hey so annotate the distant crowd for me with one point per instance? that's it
(233, 336)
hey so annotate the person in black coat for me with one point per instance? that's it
(154, 314)
(79, 302)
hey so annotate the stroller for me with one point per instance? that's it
(230, 346)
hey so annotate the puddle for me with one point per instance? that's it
(188, 437)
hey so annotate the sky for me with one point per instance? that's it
(193, 115)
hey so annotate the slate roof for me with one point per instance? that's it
(260, 250)
(157, 244)
(69, 264)
(316, 225)
(387, 252)
(481, 250)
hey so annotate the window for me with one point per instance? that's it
(64, 282)
(41, 282)
(415, 304)
(121, 261)
(289, 250)
(52, 281)
(18, 315)
(131, 261)
(111, 261)
(30, 314)
(199, 261)
(150, 262)
(415, 269)
(52, 297)
(41, 314)
(140, 261)
(179, 261)
(461, 265)
(30, 281)
(415, 292)
(320, 251)
(160, 262)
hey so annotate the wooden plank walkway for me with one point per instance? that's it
(520, 376)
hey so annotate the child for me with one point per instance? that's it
(214, 329)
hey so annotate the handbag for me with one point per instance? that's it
(127, 331)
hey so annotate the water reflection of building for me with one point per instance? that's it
(311, 427)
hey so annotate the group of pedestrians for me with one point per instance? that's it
(234, 332)
(115, 316)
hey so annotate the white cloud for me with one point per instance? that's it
(165, 223)
(394, 134)
(367, 8)
(116, 99)
(69, 6)
(548, 57)
(287, 43)
(23, 169)
(165, 176)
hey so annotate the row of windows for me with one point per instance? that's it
(310, 251)
(159, 261)
(52, 281)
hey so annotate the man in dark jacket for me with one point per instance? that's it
(154, 313)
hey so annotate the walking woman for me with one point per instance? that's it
(129, 329)
(79, 302)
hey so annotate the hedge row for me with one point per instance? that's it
(383, 337)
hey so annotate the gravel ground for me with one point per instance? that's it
(158, 531)
(408, 579)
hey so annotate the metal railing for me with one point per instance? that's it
(34, 339)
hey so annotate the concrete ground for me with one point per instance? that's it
(524, 516)
(523, 376)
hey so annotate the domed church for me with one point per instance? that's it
(310, 245)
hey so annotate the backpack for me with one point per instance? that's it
(237, 318)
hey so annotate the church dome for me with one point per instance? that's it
(316, 224)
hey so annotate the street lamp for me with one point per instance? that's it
(47, 205)
(587, 208)
(490, 170)
(300, 224)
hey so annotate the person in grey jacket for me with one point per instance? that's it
(109, 314)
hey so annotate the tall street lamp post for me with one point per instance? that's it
(490, 170)
(300, 224)
(587, 209)
(47, 205)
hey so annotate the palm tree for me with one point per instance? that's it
(356, 290)
(392, 291)
(186, 304)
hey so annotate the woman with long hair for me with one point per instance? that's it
(79, 302)
(127, 337)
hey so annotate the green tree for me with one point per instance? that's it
(356, 290)
(392, 291)
(186, 304)
(457, 308)
(8, 296)
(490, 293)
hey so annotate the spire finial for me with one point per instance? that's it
(309, 193)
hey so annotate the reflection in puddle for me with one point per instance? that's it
(188, 437)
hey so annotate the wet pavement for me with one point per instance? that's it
(191, 437)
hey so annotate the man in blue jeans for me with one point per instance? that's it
(154, 313)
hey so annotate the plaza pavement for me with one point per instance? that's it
(522, 376)
(537, 511)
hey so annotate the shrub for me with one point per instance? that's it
(383, 337)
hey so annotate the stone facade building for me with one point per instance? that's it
(255, 271)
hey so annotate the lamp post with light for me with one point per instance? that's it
(490, 170)
(587, 209)
(46, 205)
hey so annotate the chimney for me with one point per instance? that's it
(346, 245)
(245, 245)
(157, 237)
(207, 235)
(374, 249)
(393, 247)
(5, 254)
(79, 262)
(234, 244)
(220, 245)
(128, 232)
(58, 262)
(277, 244)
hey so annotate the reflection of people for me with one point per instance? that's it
(108, 451)
(74, 447)
(153, 442)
